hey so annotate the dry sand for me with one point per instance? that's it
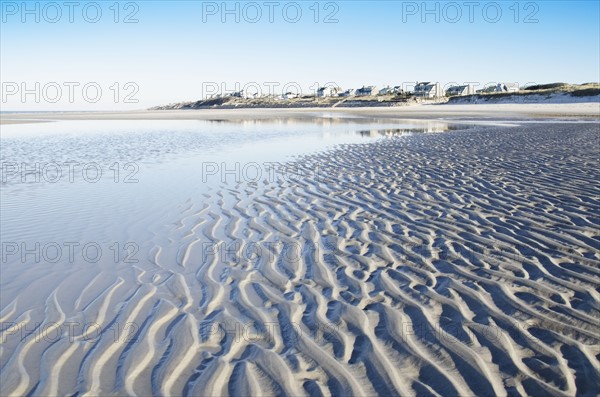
(445, 111)
(459, 264)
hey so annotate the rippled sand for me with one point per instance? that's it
(461, 263)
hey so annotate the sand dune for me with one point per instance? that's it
(456, 264)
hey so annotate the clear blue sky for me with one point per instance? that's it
(176, 46)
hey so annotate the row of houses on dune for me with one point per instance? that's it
(367, 90)
(422, 90)
(434, 90)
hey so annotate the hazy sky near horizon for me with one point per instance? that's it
(180, 50)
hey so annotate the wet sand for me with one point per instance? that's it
(456, 263)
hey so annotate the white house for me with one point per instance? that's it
(487, 90)
(428, 90)
(366, 91)
(385, 91)
(507, 87)
(390, 90)
(327, 91)
(460, 90)
(290, 95)
(246, 94)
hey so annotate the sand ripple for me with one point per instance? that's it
(462, 263)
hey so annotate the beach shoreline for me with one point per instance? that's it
(448, 112)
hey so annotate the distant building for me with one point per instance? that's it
(246, 94)
(327, 91)
(507, 87)
(290, 95)
(460, 90)
(391, 90)
(385, 90)
(487, 90)
(428, 90)
(366, 91)
(348, 92)
(500, 87)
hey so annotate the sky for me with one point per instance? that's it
(80, 55)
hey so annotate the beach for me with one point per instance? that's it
(455, 262)
(479, 112)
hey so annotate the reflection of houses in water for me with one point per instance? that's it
(329, 125)
(391, 132)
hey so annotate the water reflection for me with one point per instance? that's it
(393, 132)
(150, 143)
(80, 170)
(380, 127)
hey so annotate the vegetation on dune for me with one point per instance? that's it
(586, 92)
(547, 91)
(544, 86)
